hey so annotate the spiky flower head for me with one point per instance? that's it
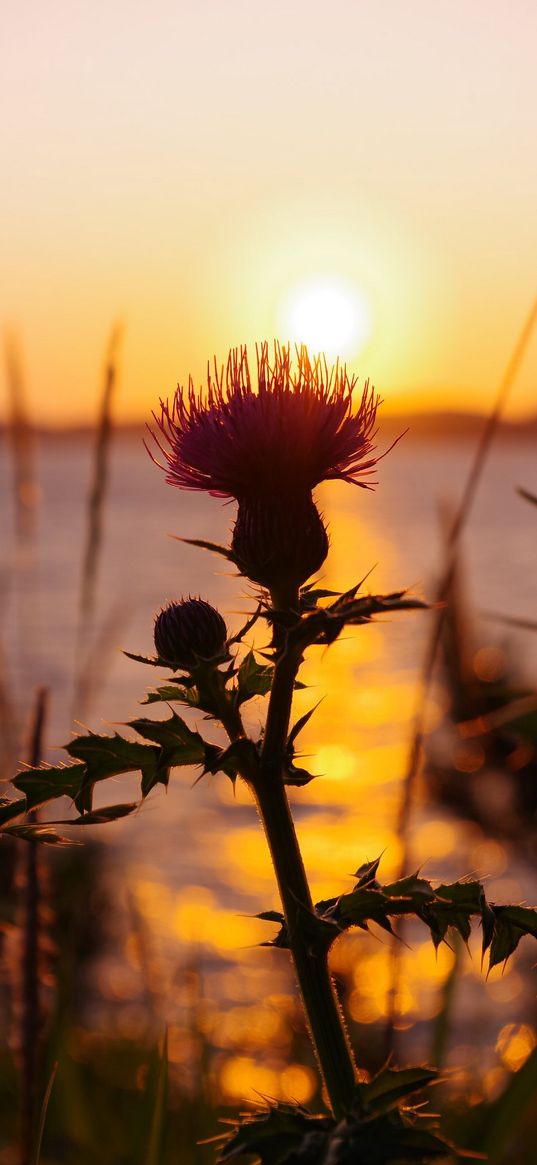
(190, 632)
(268, 445)
(295, 428)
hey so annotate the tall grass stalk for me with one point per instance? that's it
(95, 517)
(30, 1008)
(459, 522)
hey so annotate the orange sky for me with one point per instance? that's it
(182, 165)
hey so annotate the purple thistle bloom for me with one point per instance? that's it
(294, 430)
(268, 446)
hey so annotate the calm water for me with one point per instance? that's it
(193, 859)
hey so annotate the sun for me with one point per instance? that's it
(328, 314)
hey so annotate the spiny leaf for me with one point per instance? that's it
(253, 679)
(11, 809)
(108, 756)
(44, 834)
(214, 547)
(250, 622)
(152, 660)
(511, 923)
(182, 745)
(391, 1085)
(239, 758)
(45, 783)
(276, 1134)
(170, 693)
(296, 777)
(454, 906)
(323, 625)
(417, 889)
(271, 916)
(300, 724)
(102, 816)
(367, 872)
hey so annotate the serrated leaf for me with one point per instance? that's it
(181, 744)
(151, 660)
(391, 1085)
(239, 758)
(108, 756)
(275, 1135)
(253, 679)
(102, 816)
(214, 547)
(365, 903)
(271, 916)
(11, 809)
(418, 890)
(296, 777)
(44, 834)
(173, 693)
(324, 625)
(45, 783)
(300, 724)
(454, 906)
(247, 627)
(511, 923)
(367, 872)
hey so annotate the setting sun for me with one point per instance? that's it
(327, 314)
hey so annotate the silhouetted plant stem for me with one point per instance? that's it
(265, 778)
(323, 1012)
(322, 1008)
(30, 1003)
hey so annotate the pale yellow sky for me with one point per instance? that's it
(183, 166)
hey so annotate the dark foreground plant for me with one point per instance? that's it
(268, 446)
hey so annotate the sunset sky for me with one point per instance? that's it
(206, 171)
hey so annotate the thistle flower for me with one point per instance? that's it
(190, 632)
(268, 446)
(296, 429)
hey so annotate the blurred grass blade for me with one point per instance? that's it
(417, 734)
(157, 1093)
(43, 1116)
(528, 497)
(95, 520)
(99, 484)
(23, 442)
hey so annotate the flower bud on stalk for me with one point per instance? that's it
(279, 542)
(190, 633)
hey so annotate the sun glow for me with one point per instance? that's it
(329, 315)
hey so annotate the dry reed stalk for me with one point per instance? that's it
(95, 516)
(22, 438)
(460, 520)
(30, 1007)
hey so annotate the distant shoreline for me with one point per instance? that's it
(430, 426)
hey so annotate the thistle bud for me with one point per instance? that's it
(279, 542)
(190, 632)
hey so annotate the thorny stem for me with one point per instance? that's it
(323, 1012)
